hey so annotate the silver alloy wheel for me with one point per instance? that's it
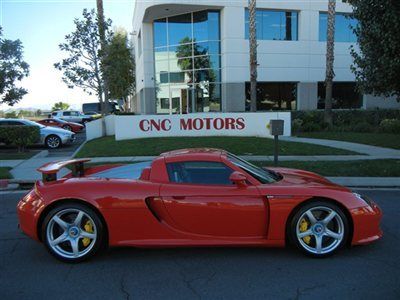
(64, 235)
(53, 141)
(325, 227)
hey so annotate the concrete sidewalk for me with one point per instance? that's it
(360, 148)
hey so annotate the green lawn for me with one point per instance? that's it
(387, 140)
(5, 173)
(356, 168)
(13, 154)
(108, 147)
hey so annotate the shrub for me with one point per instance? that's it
(297, 125)
(20, 136)
(347, 120)
(390, 126)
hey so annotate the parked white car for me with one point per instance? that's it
(50, 137)
(71, 116)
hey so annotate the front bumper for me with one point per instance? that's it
(366, 221)
(68, 139)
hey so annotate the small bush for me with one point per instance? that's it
(297, 125)
(390, 126)
(19, 136)
(348, 121)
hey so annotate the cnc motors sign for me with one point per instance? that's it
(211, 124)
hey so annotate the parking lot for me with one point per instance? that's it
(27, 271)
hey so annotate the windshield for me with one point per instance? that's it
(262, 175)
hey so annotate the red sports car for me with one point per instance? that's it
(193, 197)
(54, 122)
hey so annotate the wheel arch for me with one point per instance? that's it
(314, 199)
(63, 201)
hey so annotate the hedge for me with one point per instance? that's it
(348, 121)
(19, 136)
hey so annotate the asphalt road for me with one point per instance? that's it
(27, 271)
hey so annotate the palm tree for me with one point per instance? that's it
(330, 58)
(102, 33)
(253, 55)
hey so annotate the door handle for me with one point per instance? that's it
(178, 197)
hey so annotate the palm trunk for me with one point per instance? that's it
(253, 55)
(102, 33)
(330, 58)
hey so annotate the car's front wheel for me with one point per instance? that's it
(53, 142)
(72, 232)
(319, 229)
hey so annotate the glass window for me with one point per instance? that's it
(179, 29)
(160, 33)
(274, 25)
(274, 96)
(188, 52)
(66, 113)
(343, 28)
(344, 95)
(199, 172)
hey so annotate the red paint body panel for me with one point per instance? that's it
(75, 127)
(157, 213)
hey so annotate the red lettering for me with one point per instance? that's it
(186, 124)
(142, 125)
(229, 123)
(208, 123)
(166, 125)
(155, 125)
(198, 124)
(220, 125)
(240, 124)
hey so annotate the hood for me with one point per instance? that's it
(295, 177)
(55, 130)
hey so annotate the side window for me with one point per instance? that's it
(54, 114)
(74, 113)
(199, 172)
(66, 113)
(15, 123)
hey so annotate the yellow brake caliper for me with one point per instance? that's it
(303, 228)
(88, 228)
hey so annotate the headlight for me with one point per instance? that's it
(364, 198)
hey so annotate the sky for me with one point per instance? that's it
(41, 26)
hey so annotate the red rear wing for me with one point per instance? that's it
(49, 171)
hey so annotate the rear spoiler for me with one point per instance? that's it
(49, 171)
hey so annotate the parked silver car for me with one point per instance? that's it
(51, 137)
(71, 116)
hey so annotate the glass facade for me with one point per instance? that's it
(344, 95)
(187, 62)
(274, 96)
(343, 28)
(274, 25)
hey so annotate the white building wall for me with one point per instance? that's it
(300, 61)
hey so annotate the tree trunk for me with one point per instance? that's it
(102, 33)
(253, 55)
(330, 58)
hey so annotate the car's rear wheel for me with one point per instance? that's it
(319, 229)
(72, 232)
(67, 127)
(53, 142)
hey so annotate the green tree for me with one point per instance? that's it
(377, 61)
(38, 113)
(12, 69)
(82, 68)
(119, 67)
(11, 114)
(60, 106)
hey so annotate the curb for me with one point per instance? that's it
(79, 148)
(41, 154)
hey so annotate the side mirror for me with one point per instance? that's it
(238, 178)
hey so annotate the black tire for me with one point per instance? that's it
(67, 127)
(333, 234)
(53, 141)
(57, 251)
